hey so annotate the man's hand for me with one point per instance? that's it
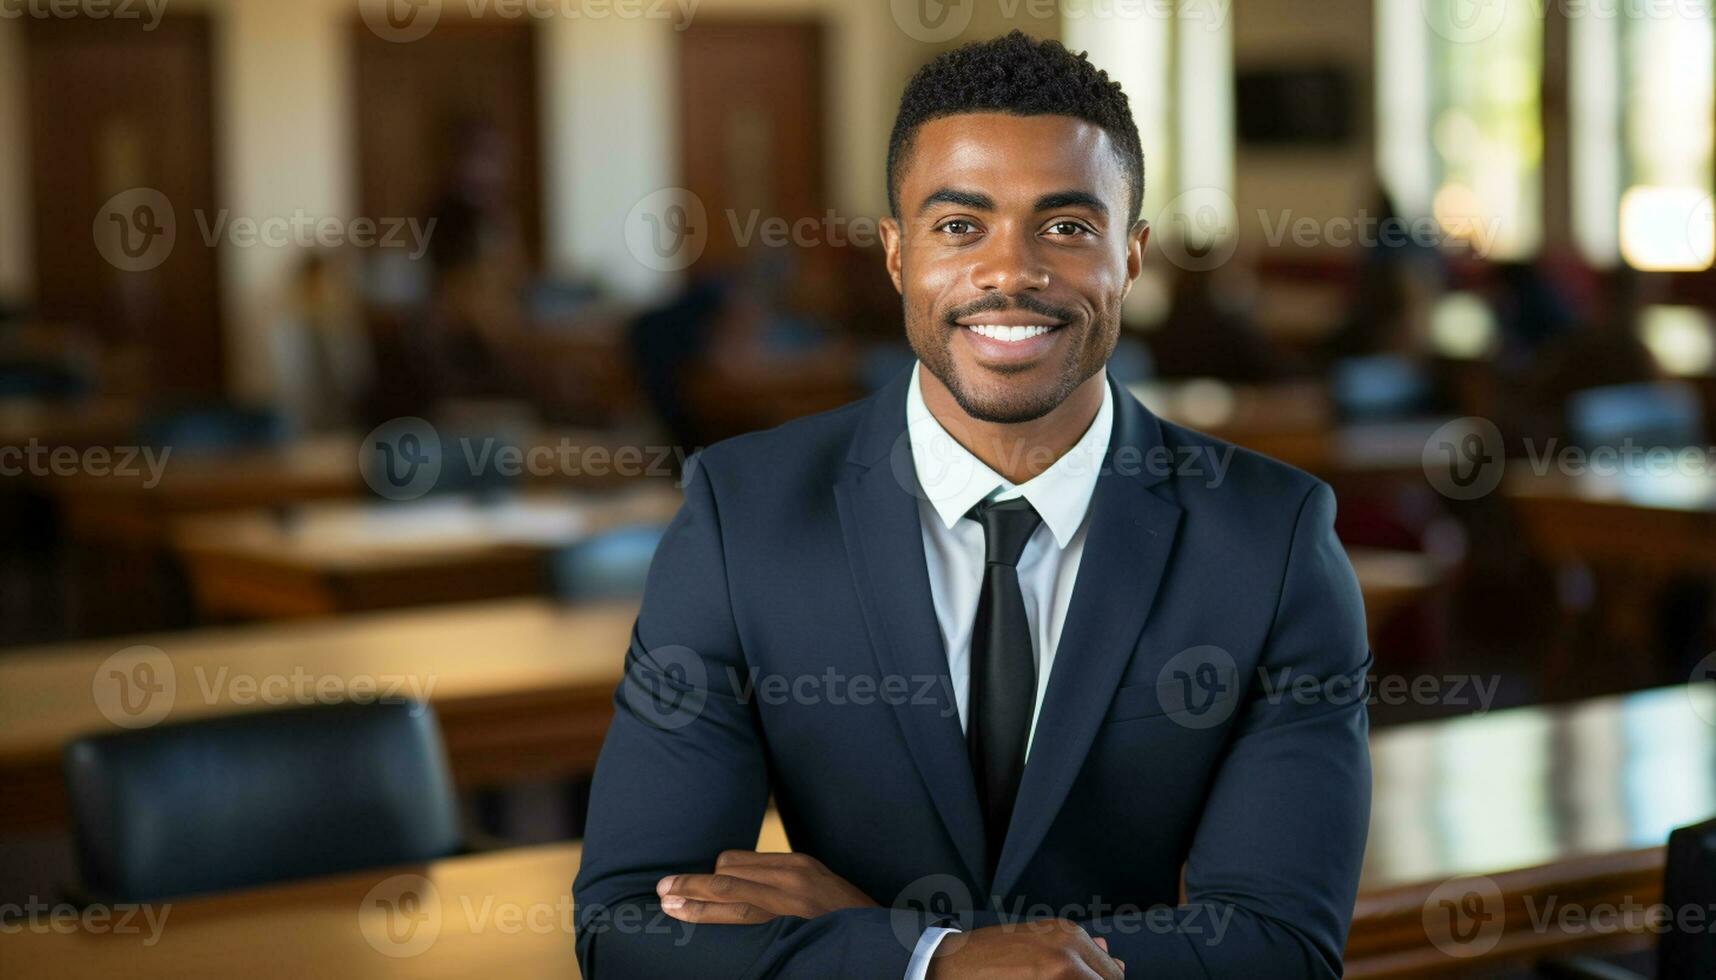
(1045, 949)
(749, 887)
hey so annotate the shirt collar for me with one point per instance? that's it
(954, 481)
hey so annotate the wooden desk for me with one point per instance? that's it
(1634, 533)
(523, 688)
(501, 914)
(1566, 803)
(1295, 423)
(337, 557)
(133, 510)
(137, 511)
(1572, 801)
(1661, 523)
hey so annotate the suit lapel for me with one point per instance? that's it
(1126, 552)
(878, 506)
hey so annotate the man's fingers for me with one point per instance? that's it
(1094, 950)
(765, 859)
(727, 890)
(714, 913)
(791, 881)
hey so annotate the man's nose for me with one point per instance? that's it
(1010, 264)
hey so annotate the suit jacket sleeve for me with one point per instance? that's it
(1273, 869)
(682, 776)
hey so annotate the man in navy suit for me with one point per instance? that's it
(1041, 685)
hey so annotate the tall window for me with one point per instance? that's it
(1642, 84)
(1459, 119)
(1175, 62)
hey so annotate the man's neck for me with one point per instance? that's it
(1017, 450)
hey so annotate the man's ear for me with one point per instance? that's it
(890, 228)
(1136, 239)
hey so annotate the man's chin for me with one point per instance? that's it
(1006, 400)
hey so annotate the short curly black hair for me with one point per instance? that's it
(1022, 76)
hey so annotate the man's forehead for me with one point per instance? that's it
(1005, 152)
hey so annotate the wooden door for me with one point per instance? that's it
(122, 162)
(751, 118)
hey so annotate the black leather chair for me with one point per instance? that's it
(254, 798)
(1681, 954)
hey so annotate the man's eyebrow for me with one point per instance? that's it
(958, 198)
(1071, 199)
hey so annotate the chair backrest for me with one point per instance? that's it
(253, 798)
(1689, 883)
(1650, 414)
(610, 565)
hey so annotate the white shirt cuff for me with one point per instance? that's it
(918, 967)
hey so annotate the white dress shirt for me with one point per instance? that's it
(954, 481)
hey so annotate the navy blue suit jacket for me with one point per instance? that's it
(1205, 712)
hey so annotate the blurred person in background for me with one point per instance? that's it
(480, 268)
(324, 366)
(1399, 279)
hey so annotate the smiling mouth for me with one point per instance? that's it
(1010, 334)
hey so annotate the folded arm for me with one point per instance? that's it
(683, 777)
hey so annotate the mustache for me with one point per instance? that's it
(995, 303)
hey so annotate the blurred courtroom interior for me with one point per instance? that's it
(250, 248)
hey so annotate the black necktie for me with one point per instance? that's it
(1003, 669)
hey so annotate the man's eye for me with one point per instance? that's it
(1067, 228)
(958, 227)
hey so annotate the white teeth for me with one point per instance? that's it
(1009, 334)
